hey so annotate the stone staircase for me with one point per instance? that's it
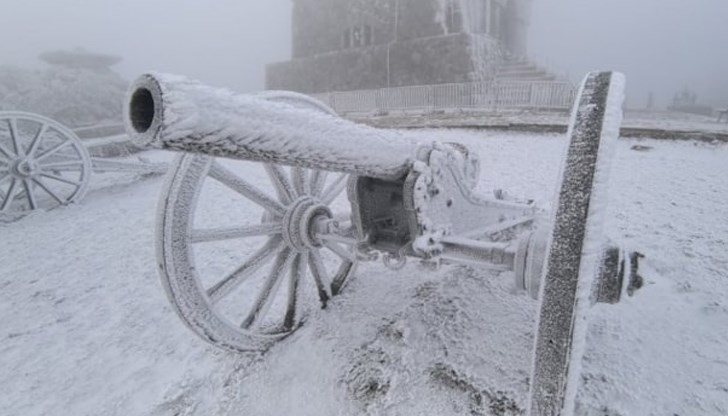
(523, 70)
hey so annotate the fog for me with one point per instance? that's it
(222, 42)
(662, 45)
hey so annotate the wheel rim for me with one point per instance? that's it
(42, 164)
(268, 274)
(575, 251)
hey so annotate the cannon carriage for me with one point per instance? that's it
(342, 193)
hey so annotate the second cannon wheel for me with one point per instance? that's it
(243, 247)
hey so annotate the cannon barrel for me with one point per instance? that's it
(172, 112)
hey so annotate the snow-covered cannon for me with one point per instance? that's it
(406, 199)
(44, 164)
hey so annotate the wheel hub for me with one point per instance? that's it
(25, 168)
(301, 221)
(618, 269)
(530, 260)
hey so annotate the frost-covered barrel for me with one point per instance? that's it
(172, 112)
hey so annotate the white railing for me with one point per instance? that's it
(486, 96)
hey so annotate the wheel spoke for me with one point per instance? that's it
(220, 234)
(61, 157)
(345, 270)
(318, 180)
(60, 179)
(265, 296)
(52, 150)
(284, 189)
(37, 139)
(298, 270)
(15, 136)
(244, 188)
(6, 152)
(70, 166)
(339, 251)
(334, 189)
(29, 194)
(4, 176)
(300, 181)
(48, 191)
(242, 273)
(319, 276)
(9, 196)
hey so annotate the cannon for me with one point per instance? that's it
(342, 193)
(44, 165)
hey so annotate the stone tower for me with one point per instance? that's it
(341, 45)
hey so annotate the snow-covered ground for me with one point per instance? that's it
(672, 125)
(87, 330)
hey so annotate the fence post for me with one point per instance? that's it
(431, 98)
(530, 95)
(496, 103)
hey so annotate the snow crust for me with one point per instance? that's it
(87, 329)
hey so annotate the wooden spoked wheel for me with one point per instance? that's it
(575, 252)
(42, 164)
(245, 249)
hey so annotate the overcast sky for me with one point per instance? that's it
(662, 45)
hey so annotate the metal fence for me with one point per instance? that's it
(487, 96)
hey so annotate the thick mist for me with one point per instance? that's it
(662, 45)
(221, 42)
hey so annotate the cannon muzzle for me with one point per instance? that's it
(172, 112)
